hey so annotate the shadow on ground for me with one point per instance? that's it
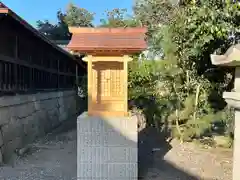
(58, 161)
(153, 146)
(148, 138)
(148, 167)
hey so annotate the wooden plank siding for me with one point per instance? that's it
(28, 63)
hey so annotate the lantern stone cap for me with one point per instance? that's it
(233, 99)
(230, 58)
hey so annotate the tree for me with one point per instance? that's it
(118, 18)
(53, 31)
(158, 12)
(73, 16)
(187, 33)
(58, 31)
(76, 16)
(45, 27)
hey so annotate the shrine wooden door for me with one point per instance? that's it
(107, 87)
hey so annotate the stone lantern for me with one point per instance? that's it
(232, 59)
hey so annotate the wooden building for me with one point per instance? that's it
(29, 61)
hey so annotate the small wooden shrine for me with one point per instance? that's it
(107, 53)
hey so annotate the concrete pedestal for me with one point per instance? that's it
(107, 148)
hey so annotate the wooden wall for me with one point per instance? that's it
(28, 63)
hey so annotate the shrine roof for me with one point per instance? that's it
(130, 40)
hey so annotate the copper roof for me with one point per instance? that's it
(129, 40)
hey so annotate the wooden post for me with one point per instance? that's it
(15, 65)
(16, 47)
(89, 60)
(125, 71)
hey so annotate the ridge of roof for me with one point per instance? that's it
(100, 30)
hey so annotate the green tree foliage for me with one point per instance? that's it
(142, 79)
(187, 33)
(57, 31)
(74, 16)
(154, 14)
(79, 17)
(118, 18)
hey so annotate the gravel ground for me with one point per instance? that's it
(54, 158)
(187, 161)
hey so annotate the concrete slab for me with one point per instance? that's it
(107, 148)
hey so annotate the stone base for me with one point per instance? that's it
(236, 147)
(107, 148)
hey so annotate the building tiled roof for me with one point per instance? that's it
(4, 10)
(108, 39)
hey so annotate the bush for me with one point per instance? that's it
(166, 104)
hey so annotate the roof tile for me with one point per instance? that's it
(108, 39)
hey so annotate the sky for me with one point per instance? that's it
(33, 10)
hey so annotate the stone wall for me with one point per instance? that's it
(23, 118)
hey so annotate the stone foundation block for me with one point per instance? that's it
(107, 148)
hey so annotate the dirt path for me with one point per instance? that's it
(186, 161)
(54, 158)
